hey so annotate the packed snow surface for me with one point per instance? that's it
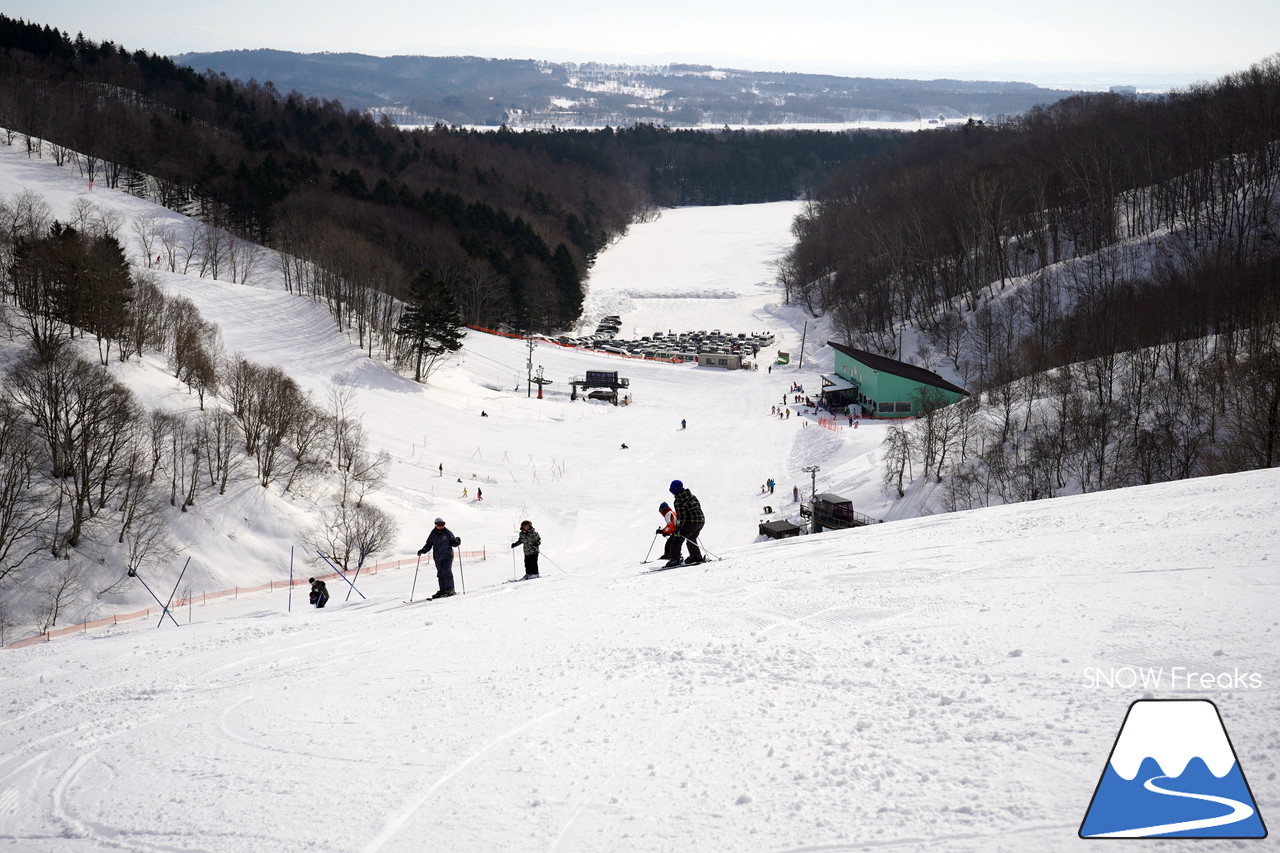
(943, 683)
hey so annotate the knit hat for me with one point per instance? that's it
(676, 486)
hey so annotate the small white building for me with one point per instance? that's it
(727, 360)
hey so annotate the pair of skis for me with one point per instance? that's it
(513, 580)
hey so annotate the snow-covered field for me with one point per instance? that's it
(945, 683)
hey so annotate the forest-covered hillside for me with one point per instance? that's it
(511, 222)
(1105, 271)
(472, 90)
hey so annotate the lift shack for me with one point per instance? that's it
(598, 385)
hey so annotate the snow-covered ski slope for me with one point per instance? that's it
(926, 684)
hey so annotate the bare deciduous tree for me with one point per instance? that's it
(351, 534)
(24, 504)
(59, 589)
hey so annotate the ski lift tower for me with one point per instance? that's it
(539, 381)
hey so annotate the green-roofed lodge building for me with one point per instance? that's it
(882, 386)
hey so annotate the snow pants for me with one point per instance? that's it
(444, 572)
(531, 563)
(689, 534)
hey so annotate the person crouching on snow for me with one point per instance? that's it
(319, 592)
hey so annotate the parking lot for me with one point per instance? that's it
(669, 345)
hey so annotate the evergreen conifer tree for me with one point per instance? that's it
(429, 323)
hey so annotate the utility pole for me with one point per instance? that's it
(812, 470)
(803, 335)
(528, 387)
(813, 493)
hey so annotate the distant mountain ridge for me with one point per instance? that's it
(469, 90)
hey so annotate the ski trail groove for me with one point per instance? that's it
(398, 819)
(564, 830)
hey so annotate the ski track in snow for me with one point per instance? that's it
(410, 807)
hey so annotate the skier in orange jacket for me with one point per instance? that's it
(671, 550)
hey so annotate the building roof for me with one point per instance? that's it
(835, 382)
(779, 527)
(898, 368)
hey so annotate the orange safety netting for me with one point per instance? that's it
(205, 597)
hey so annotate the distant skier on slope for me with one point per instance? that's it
(532, 542)
(689, 523)
(441, 542)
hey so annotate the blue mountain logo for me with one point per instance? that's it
(1172, 774)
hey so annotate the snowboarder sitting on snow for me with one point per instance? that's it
(319, 592)
(689, 524)
(671, 550)
(529, 538)
(441, 542)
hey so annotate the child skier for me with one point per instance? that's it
(671, 550)
(529, 538)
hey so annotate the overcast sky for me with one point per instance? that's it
(850, 37)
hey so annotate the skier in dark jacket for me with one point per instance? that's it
(532, 542)
(441, 542)
(689, 523)
(319, 592)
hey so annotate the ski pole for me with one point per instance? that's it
(708, 551)
(462, 577)
(175, 592)
(415, 577)
(650, 551)
(339, 573)
(353, 580)
(561, 569)
(133, 573)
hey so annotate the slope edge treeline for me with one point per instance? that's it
(309, 175)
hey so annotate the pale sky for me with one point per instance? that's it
(1001, 39)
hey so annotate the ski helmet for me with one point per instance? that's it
(676, 486)
(664, 506)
